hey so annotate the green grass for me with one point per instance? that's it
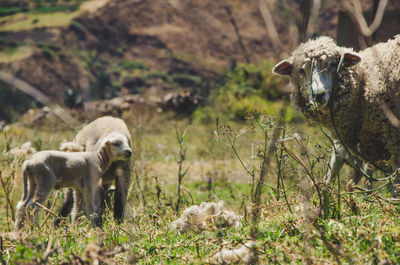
(28, 21)
(370, 235)
(16, 19)
(15, 53)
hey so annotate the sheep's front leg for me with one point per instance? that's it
(77, 201)
(335, 164)
(395, 189)
(122, 180)
(46, 182)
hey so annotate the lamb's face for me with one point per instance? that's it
(313, 67)
(118, 145)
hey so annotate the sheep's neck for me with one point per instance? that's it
(104, 158)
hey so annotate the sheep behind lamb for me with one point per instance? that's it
(48, 170)
(88, 139)
(365, 101)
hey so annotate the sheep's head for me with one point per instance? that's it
(118, 146)
(313, 67)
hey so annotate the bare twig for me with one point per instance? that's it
(333, 248)
(243, 49)
(190, 194)
(180, 159)
(306, 6)
(266, 161)
(46, 209)
(5, 186)
(354, 9)
(48, 250)
(51, 208)
(140, 188)
(270, 25)
(3, 262)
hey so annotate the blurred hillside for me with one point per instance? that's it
(79, 51)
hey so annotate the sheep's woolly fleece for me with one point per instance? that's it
(367, 103)
(71, 147)
(246, 254)
(196, 218)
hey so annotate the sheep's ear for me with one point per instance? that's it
(351, 59)
(283, 68)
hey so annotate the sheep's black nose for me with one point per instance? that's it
(127, 153)
(320, 98)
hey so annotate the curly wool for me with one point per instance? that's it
(360, 94)
(195, 218)
(71, 147)
(246, 254)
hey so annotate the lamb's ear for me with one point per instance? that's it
(283, 68)
(351, 59)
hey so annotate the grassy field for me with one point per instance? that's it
(48, 17)
(292, 226)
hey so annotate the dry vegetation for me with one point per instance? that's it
(291, 226)
(267, 169)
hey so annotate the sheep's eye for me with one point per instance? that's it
(302, 72)
(116, 144)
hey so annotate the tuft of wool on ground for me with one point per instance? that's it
(246, 254)
(197, 217)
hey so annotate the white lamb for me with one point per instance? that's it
(48, 170)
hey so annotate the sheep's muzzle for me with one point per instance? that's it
(321, 86)
(127, 153)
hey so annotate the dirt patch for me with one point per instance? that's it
(52, 76)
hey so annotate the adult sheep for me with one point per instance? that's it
(362, 93)
(88, 139)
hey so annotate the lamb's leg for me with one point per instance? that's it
(93, 201)
(46, 182)
(122, 180)
(93, 197)
(335, 164)
(66, 207)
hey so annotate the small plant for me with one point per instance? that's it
(180, 158)
(72, 99)
(78, 28)
(267, 151)
(133, 64)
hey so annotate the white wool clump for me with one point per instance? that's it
(196, 217)
(24, 150)
(246, 254)
(71, 147)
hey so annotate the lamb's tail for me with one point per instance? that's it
(25, 175)
(29, 184)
